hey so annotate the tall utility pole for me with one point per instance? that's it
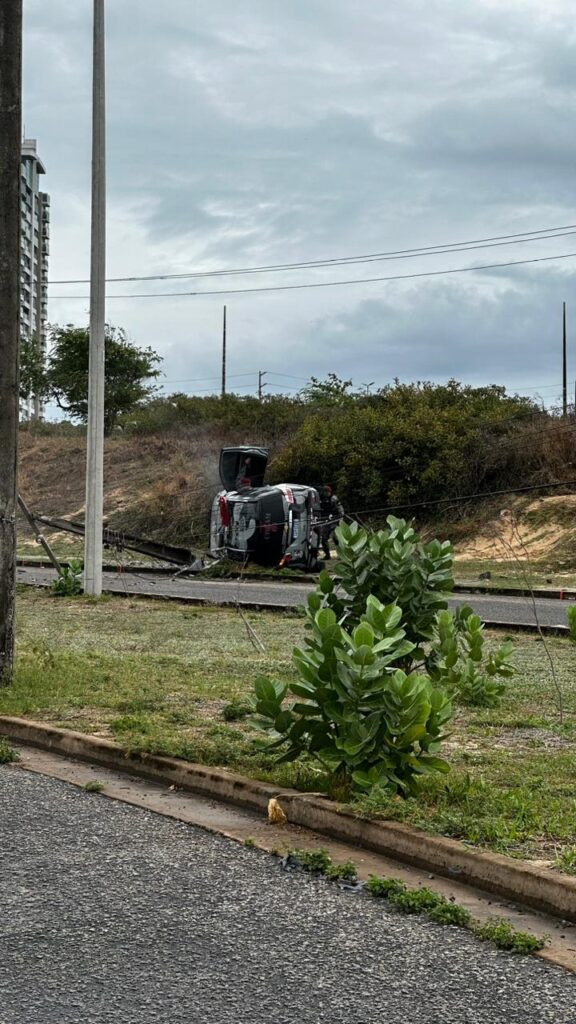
(564, 364)
(261, 384)
(223, 392)
(95, 442)
(10, 143)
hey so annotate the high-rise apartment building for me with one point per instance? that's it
(34, 250)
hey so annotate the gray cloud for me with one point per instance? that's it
(269, 132)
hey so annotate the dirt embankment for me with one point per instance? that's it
(158, 487)
(537, 530)
(161, 487)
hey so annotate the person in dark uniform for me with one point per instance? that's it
(331, 512)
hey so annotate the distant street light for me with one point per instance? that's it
(95, 439)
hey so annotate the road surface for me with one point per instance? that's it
(492, 607)
(114, 915)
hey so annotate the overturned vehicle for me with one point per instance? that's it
(273, 525)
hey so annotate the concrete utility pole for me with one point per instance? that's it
(95, 442)
(10, 157)
(223, 392)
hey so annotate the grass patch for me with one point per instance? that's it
(539, 574)
(7, 754)
(505, 936)
(433, 905)
(94, 786)
(169, 680)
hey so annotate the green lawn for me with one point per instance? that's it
(158, 677)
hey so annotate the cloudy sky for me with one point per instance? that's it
(290, 131)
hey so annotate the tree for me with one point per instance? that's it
(128, 370)
(33, 376)
(330, 392)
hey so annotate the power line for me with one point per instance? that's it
(465, 497)
(326, 284)
(540, 234)
(192, 380)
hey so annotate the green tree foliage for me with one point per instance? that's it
(408, 442)
(330, 392)
(33, 378)
(271, 419)
(382, 664)
(128, 372)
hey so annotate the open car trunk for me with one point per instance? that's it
(244, 466)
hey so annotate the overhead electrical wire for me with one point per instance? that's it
(493, 241)
(465, 497)
(324, 284)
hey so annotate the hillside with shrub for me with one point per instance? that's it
(406, 444)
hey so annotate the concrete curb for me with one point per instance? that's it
(479, 588)
(518, 881)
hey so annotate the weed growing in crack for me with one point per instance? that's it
(566, 860)
(505, 936)
(7, 753)
(420, 901)
(94, 786)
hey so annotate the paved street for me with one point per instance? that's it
(113, 915)
(495, 608)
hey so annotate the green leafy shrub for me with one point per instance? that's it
(456, 660)
(366, 721)
(376, 680)
(392, 565)
(69, 582)
(411, 442)
(572, 622)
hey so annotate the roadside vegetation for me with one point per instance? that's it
(417, 443)
(158, 677)
(407, 900)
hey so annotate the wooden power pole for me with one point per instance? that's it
(10, 160)
(223, 392)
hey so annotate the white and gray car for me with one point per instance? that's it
(272, 525)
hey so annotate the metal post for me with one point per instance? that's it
(564, 364)
(10, 159)
(38, 534)
(95, 442)
(224, 354)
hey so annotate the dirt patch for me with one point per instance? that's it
(537, 530)
(526, 739)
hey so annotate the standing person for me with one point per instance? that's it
(331, 512)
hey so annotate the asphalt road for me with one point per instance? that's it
(114, 915)
(494, 608)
